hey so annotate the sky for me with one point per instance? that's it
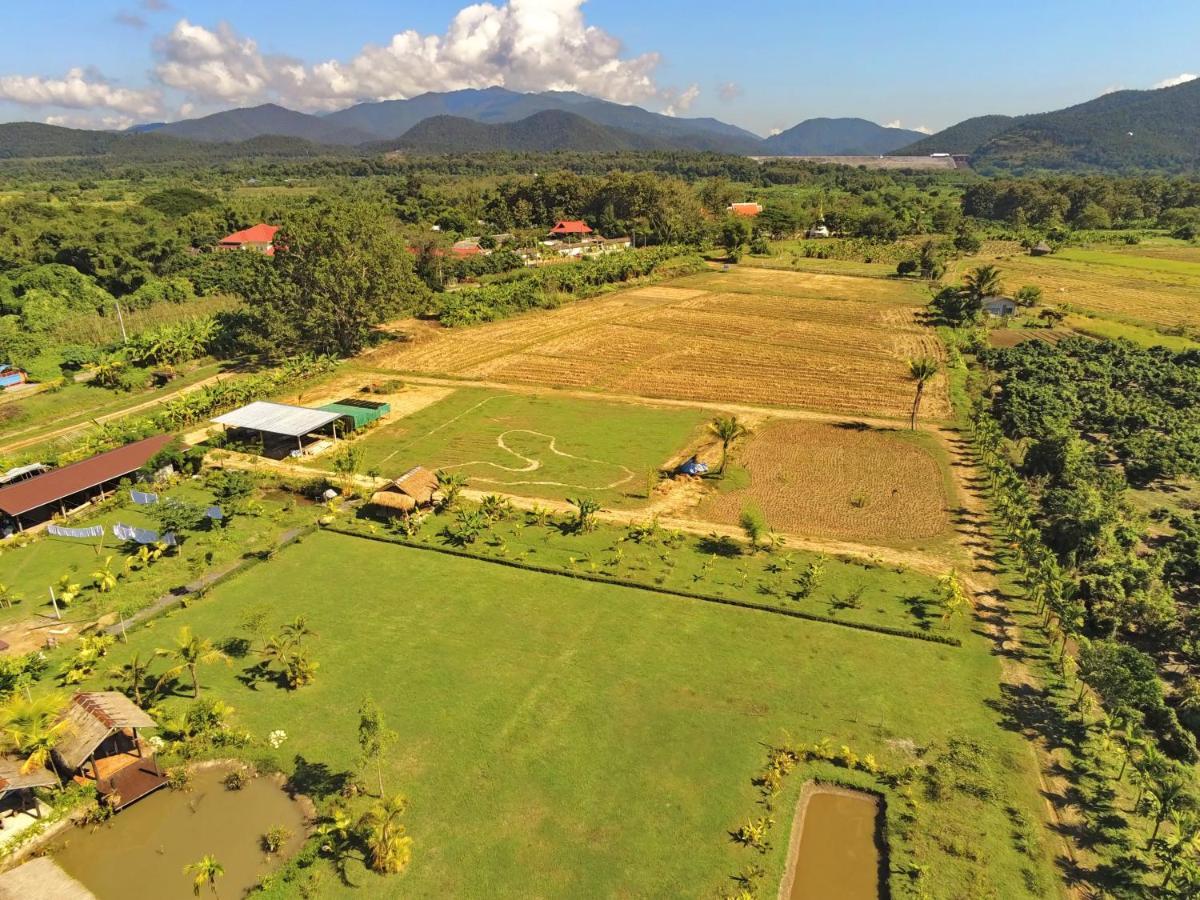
(764, 65)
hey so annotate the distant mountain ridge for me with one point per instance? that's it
(547, 131)
(838, 137)
(1122, 131)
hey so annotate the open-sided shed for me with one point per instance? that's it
(279, 419)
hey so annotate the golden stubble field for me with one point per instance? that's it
(837, 480)
(790, 339)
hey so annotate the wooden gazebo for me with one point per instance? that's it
(18, 785)
(101, 744)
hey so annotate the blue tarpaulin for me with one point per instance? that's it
(693, 467)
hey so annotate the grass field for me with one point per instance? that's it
(539, 446)
(569, 739)
(841, 481)
(1155, 291)
(751, 335)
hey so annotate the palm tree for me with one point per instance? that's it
(8, 596)
(104, 578)
(450, 484)
(191, 652)
(983, 281)
(33, 727)
(586, 509)
(389, 848)
(133, 674)
(920, 370)
(206, 871)
(727, 429)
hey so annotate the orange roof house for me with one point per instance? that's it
(257, 237)
(570, 226)
(744, 209)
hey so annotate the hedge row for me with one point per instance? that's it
(540, 288)
(670, 592)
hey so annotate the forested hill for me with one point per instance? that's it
(33, 140)
(552, 130)
(837, 137)
(1122, 131)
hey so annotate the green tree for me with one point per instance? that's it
(32, 728)
(450, 484)
(728, 430)
(921, 371)
(374, 737)
(735, 234)
(205, 871)
(981, 282)
(339, 269)
(585, 513)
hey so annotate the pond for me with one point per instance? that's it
(141, 852)
(835, 846)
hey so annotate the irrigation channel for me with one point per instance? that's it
(142, 851)
(835, 846)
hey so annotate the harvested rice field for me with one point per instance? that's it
(790, 339)
(839, 480)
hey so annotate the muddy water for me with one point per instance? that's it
(142, 850)
(837, 858)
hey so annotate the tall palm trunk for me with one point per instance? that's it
(917, 405)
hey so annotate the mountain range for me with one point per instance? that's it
(1121, 131)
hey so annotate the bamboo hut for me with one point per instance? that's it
(415, 489)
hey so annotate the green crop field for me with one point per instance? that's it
(566, 738)
(540, 446)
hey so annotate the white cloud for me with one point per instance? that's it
(156, 5)
(896, 123)
(524, 45)
(78, 90)
(1112, 89)
(72, 120)
(924, 129)
(129, 19)
(774, 131)
(1181, 78)
(680, 101)
(730, 90)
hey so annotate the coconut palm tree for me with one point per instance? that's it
(450, 484)
(133, 675)
(982, 281)
(191, 652)
(921, 371)
(204, 872)
(727, 430)
(33, 727)
(389, 848)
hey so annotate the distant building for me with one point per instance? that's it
(11, 376)
(1000, 307)
(257, 237)
(1041, 249)
(469, 247)
(748, 210)
(817, 231)
(567, 228)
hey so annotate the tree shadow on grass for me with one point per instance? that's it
(919, 608)
(316, 779)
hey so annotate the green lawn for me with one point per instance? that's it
(559, 738)
(539, 446)
(29, 570)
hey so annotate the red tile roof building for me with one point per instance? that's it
(257, 237)
(570, 226)
(748, 210)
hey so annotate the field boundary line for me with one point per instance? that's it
(886, 630)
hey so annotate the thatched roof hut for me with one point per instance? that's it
(1041, 249)
(418, 483)
(92, 718)
(394, 501)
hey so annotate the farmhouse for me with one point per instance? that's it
(570, 228)
(414, 489)
(100, 744)
(259, 237)
(37, 499)
(469, 247)
(1041, 249)
(999, 306)
(748, 210)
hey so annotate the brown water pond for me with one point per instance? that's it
(834, 853)
(142, 850)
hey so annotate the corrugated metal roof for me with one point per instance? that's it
(278, 418)
(32, 493)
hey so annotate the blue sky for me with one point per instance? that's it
(764, 65)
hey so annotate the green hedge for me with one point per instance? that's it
(670, 592)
